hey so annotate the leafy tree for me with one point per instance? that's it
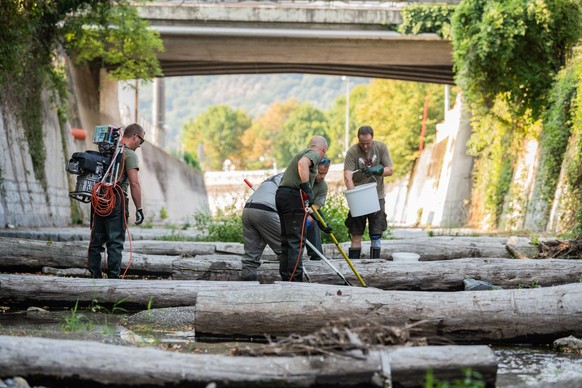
(513, 48)
(258, 140)
(395, 110)
(113, 33)
(191, 160)
(337, 123)
(303, 123)
(219, 130)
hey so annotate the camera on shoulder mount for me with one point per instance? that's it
(90, 166)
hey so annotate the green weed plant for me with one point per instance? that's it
(226, 226)
(76, 321)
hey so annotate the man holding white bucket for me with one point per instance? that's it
(366, 162)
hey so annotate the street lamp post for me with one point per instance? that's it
(347, 137)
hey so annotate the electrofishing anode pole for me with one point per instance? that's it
(322, 222)
(249, 184)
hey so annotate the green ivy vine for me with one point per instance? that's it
(427, 18)
(513, 48)
(554, 140)
(574, 160)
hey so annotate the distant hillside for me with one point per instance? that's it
(187, 97)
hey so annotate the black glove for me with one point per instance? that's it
(138, 216)
(306, 187)
(327, 229)
(376, 170)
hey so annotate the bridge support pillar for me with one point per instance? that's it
(159, 111)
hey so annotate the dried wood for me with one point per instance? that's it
(516, 252)
(34, 255)
(246, 308)
(124, 365)
(388, 275)
(338, 337)
(523, 314)
(563, 249)
(27, 289)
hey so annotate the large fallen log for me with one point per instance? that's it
(522, 314)
(128, 366)
(245, 308)
(388, 275)
(27, 289)
(35, 254)
(429, 248)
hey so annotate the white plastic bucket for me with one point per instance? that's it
(363, 199)
(405, 257)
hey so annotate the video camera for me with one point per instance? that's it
(91, 166)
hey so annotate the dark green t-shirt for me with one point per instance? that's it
(291, 176)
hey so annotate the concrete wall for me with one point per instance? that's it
(166, 182)
(169, 184)
(23, 199)
(439, 190)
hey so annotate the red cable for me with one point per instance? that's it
(301, 240)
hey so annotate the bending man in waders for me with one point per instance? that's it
(109, 229)
(261, 227)
(366, 162)
(295, 188)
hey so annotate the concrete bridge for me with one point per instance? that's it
(315, 37)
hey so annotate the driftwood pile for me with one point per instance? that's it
(559, 249)
(338, 338)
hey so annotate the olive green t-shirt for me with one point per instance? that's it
(131, 161)
(291, 176)
(357, 159)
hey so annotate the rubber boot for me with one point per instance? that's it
(374, 253)
(355, 253)
(250, 278)
(248, 275)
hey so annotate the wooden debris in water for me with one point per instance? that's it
(337, 338)
(560, 249)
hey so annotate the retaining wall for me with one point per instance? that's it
(25, 201)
